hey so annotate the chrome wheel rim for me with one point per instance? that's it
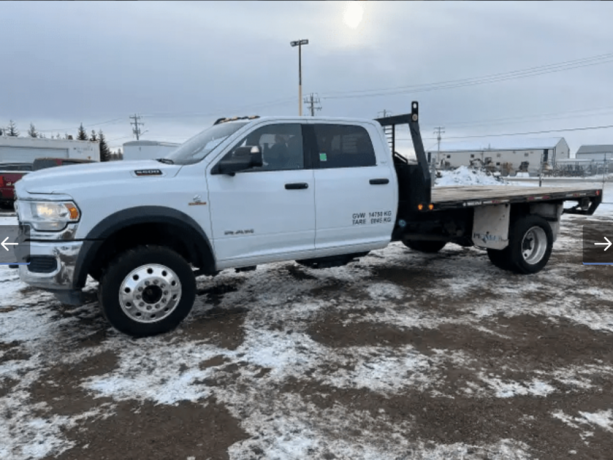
(534, 245)
(150, 293)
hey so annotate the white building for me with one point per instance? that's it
(499, 152)
(28, 149)
(146, 150)
(599, 153)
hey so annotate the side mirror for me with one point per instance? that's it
(243, 158)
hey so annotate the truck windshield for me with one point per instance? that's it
(199, 146)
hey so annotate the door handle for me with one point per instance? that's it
(296, 186)
(379, 181)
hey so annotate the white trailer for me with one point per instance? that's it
(147, 150)
(28, 149)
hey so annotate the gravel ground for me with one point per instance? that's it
(398, 356)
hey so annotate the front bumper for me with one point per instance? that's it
(62, 278)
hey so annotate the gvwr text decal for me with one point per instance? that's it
(375, 217)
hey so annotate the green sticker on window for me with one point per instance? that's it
(323, 157)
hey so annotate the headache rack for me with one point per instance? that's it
(414, 180)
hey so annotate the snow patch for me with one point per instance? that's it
(467, 176)
(509, 389)
(385, 291)
(600, 419)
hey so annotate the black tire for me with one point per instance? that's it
(159, 267)
(500, 258)
(530, 245)
(429, 247)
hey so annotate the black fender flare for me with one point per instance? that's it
(141, 215)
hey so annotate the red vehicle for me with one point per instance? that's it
(12, 172)
(43, 163)
(9, 174)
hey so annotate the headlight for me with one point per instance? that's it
(48, 216)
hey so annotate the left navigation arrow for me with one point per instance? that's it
(5, 244)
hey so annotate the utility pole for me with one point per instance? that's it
(311, 101)
(384, 113)
(438, 131)
(136, 129)
(299, 44)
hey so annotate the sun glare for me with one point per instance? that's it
(353, 14)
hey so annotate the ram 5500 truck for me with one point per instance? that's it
(250, 191)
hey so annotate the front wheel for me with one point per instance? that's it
(147, 291)
(429, 247)
(530, 245)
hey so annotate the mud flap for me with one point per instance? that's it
(491, 226)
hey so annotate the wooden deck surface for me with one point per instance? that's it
(488, 192)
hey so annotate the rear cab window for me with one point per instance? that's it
(343, 146)
(44, 164)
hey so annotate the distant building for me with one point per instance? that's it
(513, 155)
(28, 149)
(599, 153)
(147, 150)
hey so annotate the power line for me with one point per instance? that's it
(217, 112)
(384, 113)
(119, 138)
(548, 68)
(492, 78)
(523, 118)
(114, 120)
(311, 101)
(584, 128)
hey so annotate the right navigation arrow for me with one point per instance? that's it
(607, 244)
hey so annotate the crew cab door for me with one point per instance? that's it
(264, 213)
(355, 189)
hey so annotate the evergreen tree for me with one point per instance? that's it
(105, 152)
(12, 130)
(82, 135)
(94, 137)
(1, 131)
(69, 137)
(32, 131)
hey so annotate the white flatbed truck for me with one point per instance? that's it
(249, 191)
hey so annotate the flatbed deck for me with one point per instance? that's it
(464, 196)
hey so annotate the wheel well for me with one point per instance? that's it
(180, 239)
(524, 209)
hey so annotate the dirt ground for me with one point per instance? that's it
(398, 356)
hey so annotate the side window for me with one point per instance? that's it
(343, 146)
(281, 146)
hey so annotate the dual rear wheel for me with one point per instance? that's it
(529, 249)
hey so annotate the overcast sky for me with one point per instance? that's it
(181, 65)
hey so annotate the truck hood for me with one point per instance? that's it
(63, 179)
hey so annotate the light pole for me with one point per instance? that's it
(299, 44)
